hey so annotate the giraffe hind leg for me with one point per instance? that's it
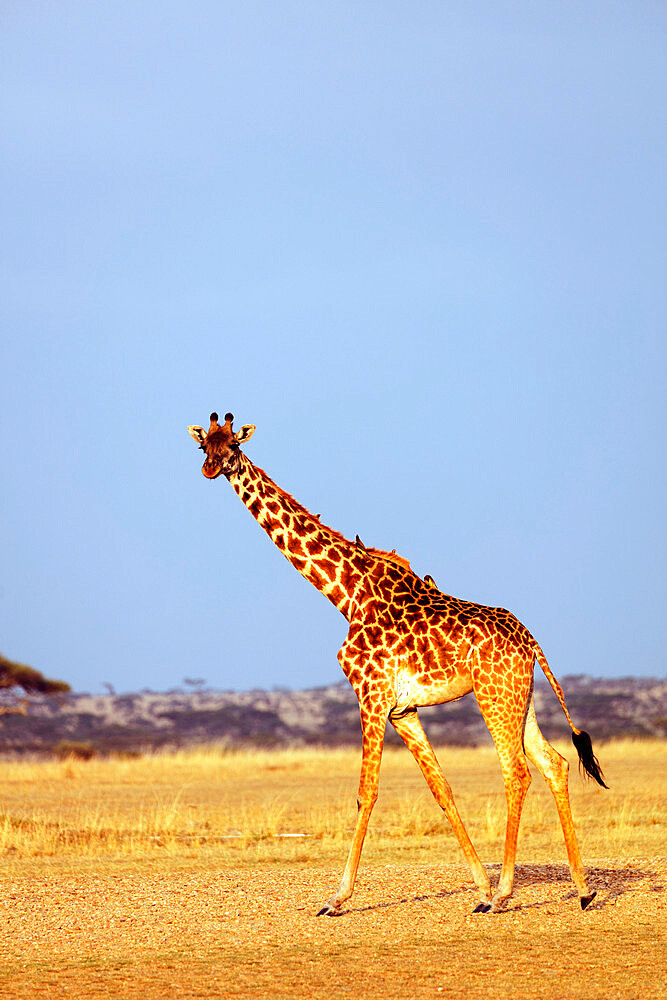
(505, 718)
(409, 728)
(554, 769)
(516, 778)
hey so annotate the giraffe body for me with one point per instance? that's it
(408, 646)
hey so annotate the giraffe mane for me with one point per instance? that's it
(298, 508)
(391, 557)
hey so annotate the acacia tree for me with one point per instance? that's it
(16, 678)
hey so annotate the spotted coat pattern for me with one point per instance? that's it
(410, 645)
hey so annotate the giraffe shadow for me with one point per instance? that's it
(610, 884)
(421, 898)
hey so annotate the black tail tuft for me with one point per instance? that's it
(587, 759)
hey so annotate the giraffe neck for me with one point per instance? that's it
(327, 559)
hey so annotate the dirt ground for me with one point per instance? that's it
(409, 932)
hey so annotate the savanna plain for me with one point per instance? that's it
(199, 873)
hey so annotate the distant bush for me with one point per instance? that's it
(71, 749)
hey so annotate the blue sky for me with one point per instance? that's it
(420, 245)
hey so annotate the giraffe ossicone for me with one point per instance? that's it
(410, 645)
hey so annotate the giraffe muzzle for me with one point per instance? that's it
(211, 470)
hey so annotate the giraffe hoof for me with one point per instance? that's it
(328, 910)
(482, 908)
(586, 900)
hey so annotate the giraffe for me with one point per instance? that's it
(410, 645)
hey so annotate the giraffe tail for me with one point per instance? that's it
(588, 762)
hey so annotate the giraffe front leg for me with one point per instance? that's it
(372, 728)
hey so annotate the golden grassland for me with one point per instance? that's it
(299, 804)
(198, 873)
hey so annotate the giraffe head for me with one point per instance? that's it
(221, 445)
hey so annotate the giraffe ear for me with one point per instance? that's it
(245, 433)
(198, 434)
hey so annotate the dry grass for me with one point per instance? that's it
(300, 804)
(170, 876)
